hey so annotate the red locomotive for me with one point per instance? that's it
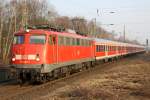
(39, 54)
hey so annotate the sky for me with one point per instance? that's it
(134, 14)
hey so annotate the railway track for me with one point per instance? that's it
(13, 91)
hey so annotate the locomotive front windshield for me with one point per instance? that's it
(18, 39)
(37, 39)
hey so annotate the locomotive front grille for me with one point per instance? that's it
(27, 66)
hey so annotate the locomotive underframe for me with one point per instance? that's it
(38, 72)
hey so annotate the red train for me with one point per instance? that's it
(39, 54)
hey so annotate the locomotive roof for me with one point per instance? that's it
(40, 31)
(71, 35)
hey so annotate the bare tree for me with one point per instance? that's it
(15, 14)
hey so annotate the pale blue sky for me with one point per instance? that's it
(135, 14)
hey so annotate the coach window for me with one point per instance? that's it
(108, 48)
(100, 48)
(114, 48)
(103, 48)
(97, 48)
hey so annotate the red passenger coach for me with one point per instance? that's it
(107, 49)
(40, 54)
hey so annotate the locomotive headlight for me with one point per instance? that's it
(27, 30)
(37, 57)
(13, 59)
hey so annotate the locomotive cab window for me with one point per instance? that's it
(18, 39)
(37, 39)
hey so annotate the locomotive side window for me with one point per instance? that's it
(68, 41)
(81, 41)
(52, 39)
(37, 39)
(88, 43)
(84, 42)
(78, 41)
(73, 41)
(61, 40)
(19, 39)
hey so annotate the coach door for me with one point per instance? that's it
(52, 49)
(106, 50)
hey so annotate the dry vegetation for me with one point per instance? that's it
(128, 80)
